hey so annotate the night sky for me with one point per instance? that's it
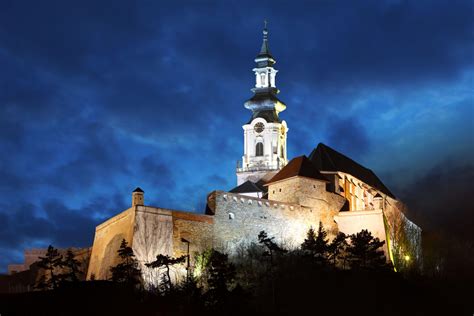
(98, 98)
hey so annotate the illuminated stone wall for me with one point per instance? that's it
(239, 219)
(312, 194)
(234, 221)
(107, 239)
(149, 231)
(353, 222)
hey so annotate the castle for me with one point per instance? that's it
(280, 196)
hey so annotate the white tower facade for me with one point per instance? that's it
(265, 133)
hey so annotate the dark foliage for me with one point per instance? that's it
(165, 261)
(73, 268)
(221, 276)
(127, 271)
(271, 248)
(290, 285)
(337, 250)
(51, 262)
(316, 245)
(365, 251)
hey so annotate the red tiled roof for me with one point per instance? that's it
(300, 166)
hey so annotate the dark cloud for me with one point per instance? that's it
(440, 200)
(347, 135)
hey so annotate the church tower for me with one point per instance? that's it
(265, 133)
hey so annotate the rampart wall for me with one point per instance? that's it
(239, 219)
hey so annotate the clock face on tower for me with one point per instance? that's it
(259, 127)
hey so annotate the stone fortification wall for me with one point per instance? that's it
(152, 235)
(299, 190)
(311, 194)
(149, 231)
(353, 222)
(32, 256)
(107, 239)
(239, 219)
(195, 228)
(159, 231)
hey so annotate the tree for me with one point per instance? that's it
(201, 266)
(364, 251)
(317, 244)
(166, 262)
(336, 247)
(127, 271)
(221, 271)
(270, 245)
(271, 249)
(50, 263)
(309, 244)
(73, 267)
(221, 275)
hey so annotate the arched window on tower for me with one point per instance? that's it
(263, 80)
(259, 149)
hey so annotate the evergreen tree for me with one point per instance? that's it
(337, 247)
(309, 244)
(50, 263)
(165, 261)
(72, 266)
(127, 270)
(364, 251)
(271, 247)
(221, 271)
(317, 244)
(221, 275)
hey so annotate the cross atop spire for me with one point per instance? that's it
(265, 55)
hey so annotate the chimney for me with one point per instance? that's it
(138, 197)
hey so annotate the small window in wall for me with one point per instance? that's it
(262, 79)
(280, 190)
(273, 191)
(259, 149)
(231, 216)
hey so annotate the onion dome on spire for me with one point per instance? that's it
(265, 103)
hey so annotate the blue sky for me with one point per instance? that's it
(97, 98)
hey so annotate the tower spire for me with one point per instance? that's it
(265, 133)
(265, 103)
(265, 50)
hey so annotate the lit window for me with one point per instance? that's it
(259, 149)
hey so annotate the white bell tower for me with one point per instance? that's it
(265, 133)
